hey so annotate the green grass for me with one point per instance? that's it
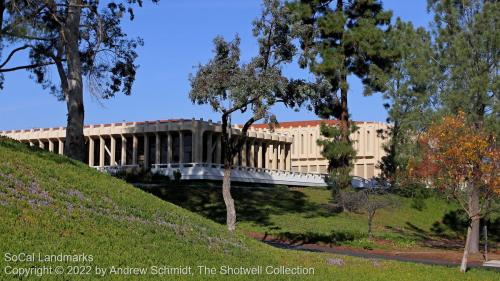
(305, 215)
(51, 205)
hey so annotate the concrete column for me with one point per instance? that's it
(251, 163)
(275, 155)
(41, 144)
(236, 159)
(209, 147)
(91, 152)
(123, 161)
(288, 157)
(259, 154)
(244, 154)
(169, 147)
(198, 142)
(51, 146)
(282, 156)
(61, 147)
(101, 151)
(135, 144)
(157, 149)
(181, 147)
(146, 151)
(307, 145)
(196, 145)
(218, 149)
(112, 158)
(267, 156)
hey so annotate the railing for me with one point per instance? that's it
(239, 168)
(239, 173)
(212, 171)
(114, 169)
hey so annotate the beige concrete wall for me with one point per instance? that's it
(291, 146)
(196, 141)
(306, 153)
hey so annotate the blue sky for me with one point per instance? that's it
(178, 36)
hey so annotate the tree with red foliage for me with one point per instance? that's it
(464, 162)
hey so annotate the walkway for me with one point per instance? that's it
(415, 257)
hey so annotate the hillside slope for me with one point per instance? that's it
(50, 205)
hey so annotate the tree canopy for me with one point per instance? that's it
(82, 39)
(229, 85)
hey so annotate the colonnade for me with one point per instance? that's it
(165, 142)
(171, 147)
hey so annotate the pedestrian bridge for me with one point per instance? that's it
(206, 171)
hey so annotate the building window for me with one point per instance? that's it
(322, 169)
(311, 144)
(370, 171)
(301, 144)
(360, 170)
(368, 142)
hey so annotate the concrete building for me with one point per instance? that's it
(287, 155)
(306, 154)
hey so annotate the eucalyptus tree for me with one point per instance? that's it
(339, 39)
(229, 86)
(80, 39)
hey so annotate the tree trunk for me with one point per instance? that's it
(2, 10)
(228, 200)
(463, 266)
(227, 158)
(344, 115)
(370, 221)
(475, 225)
(74, 146)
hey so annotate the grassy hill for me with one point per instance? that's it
(51, 205)
(306, 215)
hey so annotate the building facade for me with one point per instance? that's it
(286, 155)
(306, 153)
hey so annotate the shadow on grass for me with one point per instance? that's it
(334, 238)
(449, 233)
(253, 203)
(455, 223)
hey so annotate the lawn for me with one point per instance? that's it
(305, 215)
(50, 205)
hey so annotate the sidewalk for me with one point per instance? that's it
(431, 257)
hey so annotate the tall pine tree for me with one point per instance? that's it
(338, 39)
(467, 52)
(408, 97)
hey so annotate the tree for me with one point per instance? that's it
(81, 40)
(370, 200)
(467, 48)
(230, 86)
(373, 201)
(408, 95)
(340, 155)
(463, 161)
(339, 39)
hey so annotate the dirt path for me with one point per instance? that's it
(430, 256)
